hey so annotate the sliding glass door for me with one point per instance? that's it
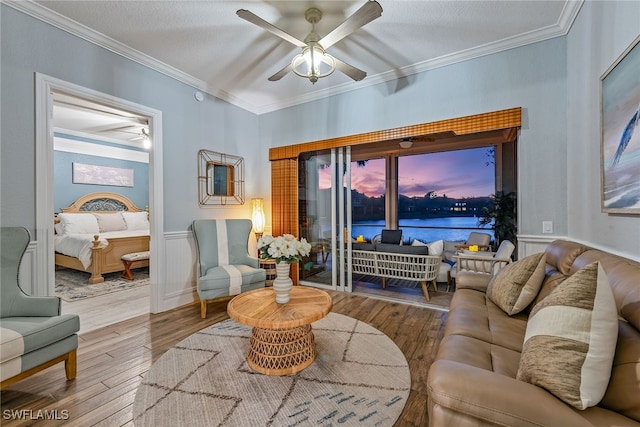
(324, 212)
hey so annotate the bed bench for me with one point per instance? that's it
(129, 259)
(419, 268)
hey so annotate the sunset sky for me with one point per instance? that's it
(457, 174)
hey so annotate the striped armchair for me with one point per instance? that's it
(224, 265)
(33, 333)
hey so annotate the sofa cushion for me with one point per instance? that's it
(393, 237)
(473, 315)
(517, 284)
(398, 249)
(622, 393)
(571, 339)
(363, 246)
(22, 335)
(435, 248)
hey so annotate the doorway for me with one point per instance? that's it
(434, 190)
(48, 89)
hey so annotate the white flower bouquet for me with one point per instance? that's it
(285, 248)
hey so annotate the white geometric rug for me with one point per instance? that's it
(359, 378)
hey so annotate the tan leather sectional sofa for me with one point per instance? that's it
(473, 380)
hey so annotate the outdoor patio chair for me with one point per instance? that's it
(484, 262)
(482, 240)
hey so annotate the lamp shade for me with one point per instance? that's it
(257, 215)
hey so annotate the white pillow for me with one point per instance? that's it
(136, 220)
(435, 248)
(59, 229)
(79, 223)
(111, 222)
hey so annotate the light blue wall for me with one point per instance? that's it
(29, 46)
(556, 82)
(65, 191)
(600, 34)
(532, 77)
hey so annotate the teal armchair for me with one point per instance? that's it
(225, 267)
(33, 333)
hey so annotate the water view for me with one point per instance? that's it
(424, 229)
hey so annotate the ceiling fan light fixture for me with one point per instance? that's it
(313, 63)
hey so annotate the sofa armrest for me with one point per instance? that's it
(484, 395)
(473, 280)
(252, 261)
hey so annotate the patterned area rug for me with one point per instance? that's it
(72, 285)
(359, 378)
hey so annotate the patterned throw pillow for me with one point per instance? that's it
(517, 285)
(570, 339)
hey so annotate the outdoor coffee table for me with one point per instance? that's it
(281, 341)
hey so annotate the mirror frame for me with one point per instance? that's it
(208, 163)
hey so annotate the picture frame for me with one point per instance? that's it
(101, 175)
(620, 133)
(220, 178)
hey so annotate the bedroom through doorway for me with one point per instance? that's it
(101, 159)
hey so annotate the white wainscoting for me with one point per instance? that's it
(27, 274)
(177, 287)
(533, 244)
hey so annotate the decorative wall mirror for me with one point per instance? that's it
(220, 178)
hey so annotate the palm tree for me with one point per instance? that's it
(502, 214)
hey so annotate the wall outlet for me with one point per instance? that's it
(547, 227)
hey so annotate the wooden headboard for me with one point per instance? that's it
(102, 202)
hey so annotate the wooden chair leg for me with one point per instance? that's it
(71, 365)
(425, 290)
(384, 283)
(203, 309)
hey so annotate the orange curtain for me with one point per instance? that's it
(284, 201)
(284, 196)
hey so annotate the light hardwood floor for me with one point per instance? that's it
(104, 310)
(112, 361)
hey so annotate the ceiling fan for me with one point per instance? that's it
(314, 63)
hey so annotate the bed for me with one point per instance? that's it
(95, 231)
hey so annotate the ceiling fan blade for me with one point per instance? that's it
(351, 71)
(280, 74)
(367, 13)
(255, 19)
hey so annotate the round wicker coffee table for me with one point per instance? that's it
(281, 341)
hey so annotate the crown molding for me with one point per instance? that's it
(37, 11)
(561, 28)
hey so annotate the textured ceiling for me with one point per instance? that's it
(205, 44)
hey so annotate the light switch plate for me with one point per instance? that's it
(547, 227)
